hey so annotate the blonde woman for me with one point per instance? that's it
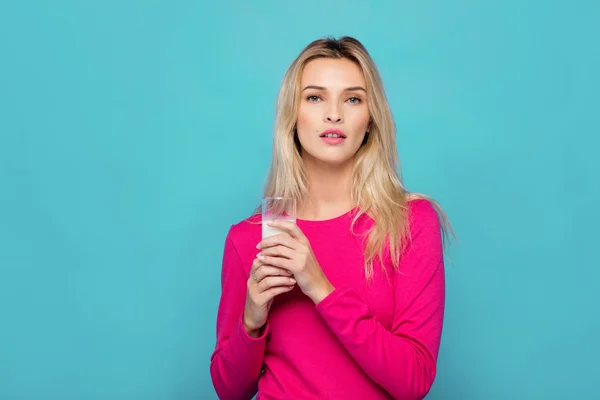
(350, 304)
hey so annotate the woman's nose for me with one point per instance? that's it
(333, 115)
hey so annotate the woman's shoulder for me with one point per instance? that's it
(241, 231)
(424, 218)
(420, 207)
(423, 213)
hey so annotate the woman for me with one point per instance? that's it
(350, 304)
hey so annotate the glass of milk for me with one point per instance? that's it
(277, 208)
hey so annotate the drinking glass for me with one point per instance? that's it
(277, 208)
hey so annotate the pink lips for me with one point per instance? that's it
(333, 140)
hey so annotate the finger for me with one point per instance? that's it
(278, 240)
(279, 262)
(255, 264)
(272, 292)
(253, 278)
(277, 251)
(274, 281)
(269, 270)
(288, 226)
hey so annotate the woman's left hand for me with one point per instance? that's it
(295, 254)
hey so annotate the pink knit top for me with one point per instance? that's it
(366, 340)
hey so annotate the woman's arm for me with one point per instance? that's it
(403, 359)
(237, 360)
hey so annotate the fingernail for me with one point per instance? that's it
(292, 280)
(258, 246)
(259, 254)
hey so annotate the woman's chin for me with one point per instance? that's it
(329, 159)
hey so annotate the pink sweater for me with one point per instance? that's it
(364, 341)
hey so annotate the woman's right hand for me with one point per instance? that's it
(265, 282)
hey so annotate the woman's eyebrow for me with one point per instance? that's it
(349, 89)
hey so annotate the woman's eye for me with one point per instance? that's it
(313, 99)
(354, 100)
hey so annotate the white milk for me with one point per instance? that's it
(271, 231)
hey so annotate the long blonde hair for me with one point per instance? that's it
(377, 189)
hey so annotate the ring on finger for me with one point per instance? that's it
(254, 276)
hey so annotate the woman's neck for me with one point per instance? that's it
(330, 189)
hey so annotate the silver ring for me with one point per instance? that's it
(254, 276)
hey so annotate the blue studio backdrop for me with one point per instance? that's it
(134, 133)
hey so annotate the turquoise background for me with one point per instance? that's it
(134, 133)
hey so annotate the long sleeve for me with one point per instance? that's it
(402, 359)
(236, 362)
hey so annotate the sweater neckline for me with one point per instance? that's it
(310, 222)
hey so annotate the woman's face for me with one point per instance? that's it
(333, 116)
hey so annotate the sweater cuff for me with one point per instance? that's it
(245, 337)
(333, 297)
